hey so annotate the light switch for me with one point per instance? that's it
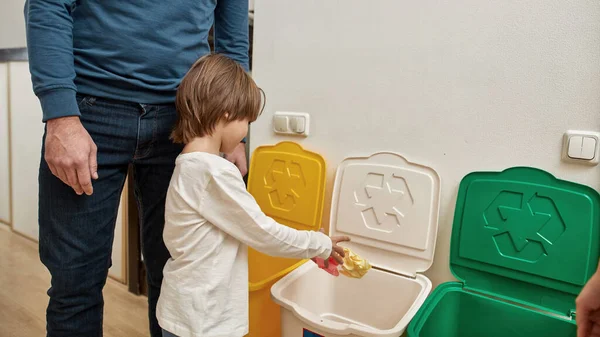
(297, 124)
(575, 144)
(280, 123)
(588, 148)
(291, 123)
(581, 147)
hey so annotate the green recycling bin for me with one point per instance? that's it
(523, 246)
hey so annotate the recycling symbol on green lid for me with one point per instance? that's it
(525, 226)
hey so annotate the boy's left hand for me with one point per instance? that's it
(238, 157)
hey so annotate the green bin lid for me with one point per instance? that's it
(525, 236)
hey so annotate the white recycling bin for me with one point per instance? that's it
(389, 207)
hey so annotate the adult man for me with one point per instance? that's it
(106, 73)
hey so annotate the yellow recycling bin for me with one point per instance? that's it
(288, 183)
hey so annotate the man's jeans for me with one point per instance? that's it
(76, 232)
(165, 333)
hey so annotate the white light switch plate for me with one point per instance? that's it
(291, 123)
(581, 147)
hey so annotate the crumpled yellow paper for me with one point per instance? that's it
(354, 266)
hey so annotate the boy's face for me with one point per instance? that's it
(232, 134)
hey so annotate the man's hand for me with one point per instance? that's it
(588, 308)
(71, 153)
(238, 157)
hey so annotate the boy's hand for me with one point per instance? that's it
(337, 252)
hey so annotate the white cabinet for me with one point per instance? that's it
(26, 139)
(4, 146)
(26, 142)
(119, 253)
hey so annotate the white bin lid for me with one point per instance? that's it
(389, 207)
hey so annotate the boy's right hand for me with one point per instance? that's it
(337, 252)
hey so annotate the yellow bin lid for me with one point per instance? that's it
(288, 182)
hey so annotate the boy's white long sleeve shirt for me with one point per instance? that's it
(210, 219)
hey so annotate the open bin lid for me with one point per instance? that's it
(389, 207)
(288, 183)
(524, 235)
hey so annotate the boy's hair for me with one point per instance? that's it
(213, 86)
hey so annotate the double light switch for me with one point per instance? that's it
(291, 123)
(582, 147)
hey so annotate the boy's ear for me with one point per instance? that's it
(226, 116)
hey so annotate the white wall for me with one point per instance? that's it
(12, 24)
(459, 85)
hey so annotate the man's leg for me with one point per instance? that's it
(76, 232)
(154, 162)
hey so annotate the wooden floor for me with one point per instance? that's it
(23, 299)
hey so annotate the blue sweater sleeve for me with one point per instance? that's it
(231, 30)
(50, 46)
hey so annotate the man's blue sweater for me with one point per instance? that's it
(135, 51)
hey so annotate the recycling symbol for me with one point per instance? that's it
(526, 228)
(284, 180)
(383, 198)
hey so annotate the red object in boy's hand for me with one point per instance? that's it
(332, 269)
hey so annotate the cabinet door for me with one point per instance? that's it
(26, 142)
(118, 271)
(4, 157)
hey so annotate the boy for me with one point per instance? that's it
(210, 218)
